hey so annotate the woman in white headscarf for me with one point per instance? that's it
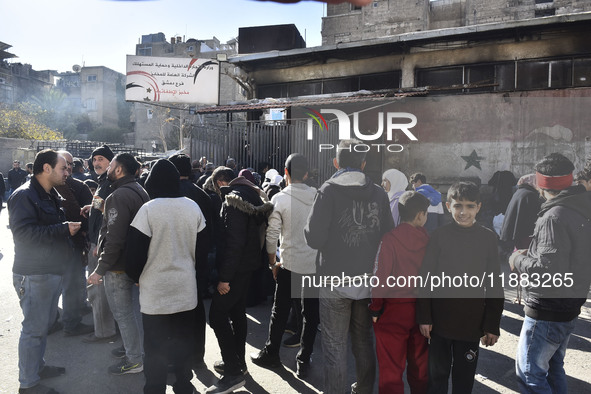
(394, 183)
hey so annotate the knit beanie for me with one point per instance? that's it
(104, 151)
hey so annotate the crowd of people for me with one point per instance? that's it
(142, 246)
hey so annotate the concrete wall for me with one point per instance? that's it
(17, 149)
(389, 17)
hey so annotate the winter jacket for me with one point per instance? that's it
(120, 208)
(41, 236)
(561, 245)
(16, 177)
(95, 219)
(400, 256)
(76, 195)
(190, 190)
(291, 208)
(2, 187)
(464, 312)
(244, 220)
(521, 215)
(348, 219)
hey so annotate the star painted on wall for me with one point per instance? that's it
(472, 160)
(149, 90)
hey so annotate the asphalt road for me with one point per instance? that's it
(86, 364)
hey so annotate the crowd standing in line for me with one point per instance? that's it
(183, 242)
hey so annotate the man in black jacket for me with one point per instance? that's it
(104, 323)
(41, 248)
(556, 267)
(16, 176)
(76, 195)
(2, 190)
(244, 216)
(348, 219)
(120, 208)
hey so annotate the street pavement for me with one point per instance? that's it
(86, 364)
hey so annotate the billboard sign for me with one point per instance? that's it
(172, 80)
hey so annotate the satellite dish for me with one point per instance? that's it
(76, 68)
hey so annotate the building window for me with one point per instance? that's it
(355, 7)
(146, 51)
(582, 72)
(90, 104)
(381, 81)
(544, 1)
(545, 12)
(468, 78)
(91, 78)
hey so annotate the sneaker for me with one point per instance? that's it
(91, 338)
(125, 367)
(265, 360)
(302, 369)
(354, 388)
(38, 389)
(218, 366)
(292, 341)
(50, 371)
(57, 326)
(80, 329)
(118, 352)
(227, 384)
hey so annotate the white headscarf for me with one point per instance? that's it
(398, 181)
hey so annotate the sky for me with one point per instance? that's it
(56, 34)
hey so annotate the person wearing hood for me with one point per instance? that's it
(521, 214)
(269, 176)
(188, 189)
(394, 183)
(348, 219)
(435, 210)
(244, 217)
(393, 309)
(160, 256)
(291, 209)
(560, 251)
(274, 186)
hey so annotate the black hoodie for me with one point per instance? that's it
(560, 251)
(348, 219)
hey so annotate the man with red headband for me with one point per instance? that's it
(556, 274)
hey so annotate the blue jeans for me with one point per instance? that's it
(120, 294)
(340, 317)
(540, 356)
(73, 291)
(38, 296)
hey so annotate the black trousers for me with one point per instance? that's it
(227, 318)
(168, 338)
(199, 331)
(443, 353)
(289, 289)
